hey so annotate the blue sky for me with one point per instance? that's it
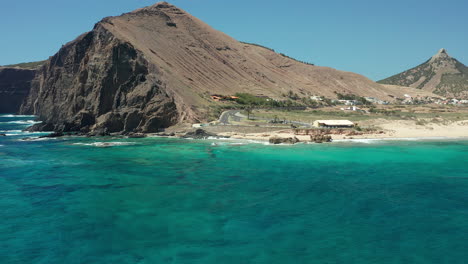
(375, 38)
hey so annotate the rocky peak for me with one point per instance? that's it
(163, 7)
(441, 74)
(441, 55)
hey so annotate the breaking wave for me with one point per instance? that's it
(22, 122)
(17, 116)
(106, 144)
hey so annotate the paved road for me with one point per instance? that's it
(233, 115)
(236, 116)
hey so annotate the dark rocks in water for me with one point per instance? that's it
(2, 135)
(100, 132)
(53, 135)
(136, 135)
(40, 127)
(320, 138)
(164, 134)
(198, 134)
(280, 140)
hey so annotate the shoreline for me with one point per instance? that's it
(264, 140)
(388, 130)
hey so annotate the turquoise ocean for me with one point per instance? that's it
(159, 200)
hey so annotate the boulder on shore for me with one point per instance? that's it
(320, 138)
(198, 134)
(136, 135)
(279, 140)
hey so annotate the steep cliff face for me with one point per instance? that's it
(101, 83)
(156, 66)
(14, 88)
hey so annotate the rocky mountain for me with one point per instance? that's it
(441, 74)
(15, 84)
(157, 66)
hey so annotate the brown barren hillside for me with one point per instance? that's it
(156, 66)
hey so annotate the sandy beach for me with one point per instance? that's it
(390, 129)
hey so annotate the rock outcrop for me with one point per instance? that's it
(198, 134)
(279, 140)
(157, 66)
(15, 84)
(320, 138)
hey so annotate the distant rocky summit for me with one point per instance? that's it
(441, 74)
(158, 66)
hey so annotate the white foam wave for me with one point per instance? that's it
(360, 140)
(106, 144)
(382, 140)
(237, 141)
(17, 116)
(11, 131)
(36, 139)
(22, 122)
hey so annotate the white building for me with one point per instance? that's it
(334, 123)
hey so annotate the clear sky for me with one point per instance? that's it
(376, 38)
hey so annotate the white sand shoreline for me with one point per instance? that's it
(390, 130)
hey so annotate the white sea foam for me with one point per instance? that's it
(106, 144)
(19, 133)
(17, 116)
(360, 140)
(382, 140)
(22, 122)
(37, 139)
(11, 131)
(237, 141)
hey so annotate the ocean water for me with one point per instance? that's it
(159, 200)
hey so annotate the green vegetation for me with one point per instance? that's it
(27, 65)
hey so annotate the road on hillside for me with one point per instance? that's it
(233, 115)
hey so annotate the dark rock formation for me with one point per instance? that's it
(136, 135)
(280, 140)
(198, 134)
(15, 84)
(100, 83)
(320, 138)
(53, 135)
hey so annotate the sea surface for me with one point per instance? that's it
(159, 200)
